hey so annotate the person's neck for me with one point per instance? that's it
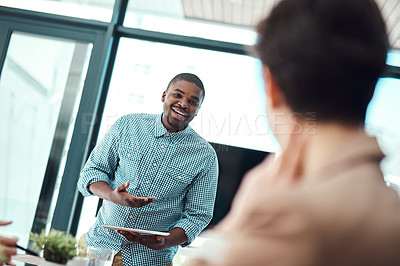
(168, 127)
(321, 145)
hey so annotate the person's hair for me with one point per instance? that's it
(325, 55)
(189, 77)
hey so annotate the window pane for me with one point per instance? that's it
(383, 116)
(230, 21)
(233, 111)
(40, 85)
(88, 9)
(393, 58)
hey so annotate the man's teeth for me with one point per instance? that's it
(180, 113)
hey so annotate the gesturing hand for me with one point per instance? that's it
(121, 196)
(7, 247)
(153, 242)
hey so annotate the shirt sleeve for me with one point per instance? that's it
(199, 202)
(102, 161)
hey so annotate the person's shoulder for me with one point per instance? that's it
(194, 135)
(200, 141)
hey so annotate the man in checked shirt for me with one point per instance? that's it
(156, 173)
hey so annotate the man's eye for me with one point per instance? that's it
(194, 103)
(176, 95)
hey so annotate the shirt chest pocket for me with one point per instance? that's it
(130, 163)
(176, 181)
(184, 176)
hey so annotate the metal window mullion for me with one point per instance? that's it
(5, 35)
(391, 72)
(69, 203)
(182, 40)
(35, 18)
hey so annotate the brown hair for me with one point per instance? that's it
(325, 55)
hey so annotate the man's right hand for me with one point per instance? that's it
(119, 195)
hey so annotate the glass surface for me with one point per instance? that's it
(382, 121)
(88, 215)
(100, 256)
(233, 111)
(40, 78)
(169, 16)
(393, 58)
(88, 9)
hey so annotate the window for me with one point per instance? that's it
(393, 58)
(183, 17)
(382, 119)
(87, 9)
(37, 110)
(233, 111)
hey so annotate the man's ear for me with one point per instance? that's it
(274, 93)
(163, 96)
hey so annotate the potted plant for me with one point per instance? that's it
(58, 247)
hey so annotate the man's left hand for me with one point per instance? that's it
(152, 241)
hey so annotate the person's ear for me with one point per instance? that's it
(274, 93)
(163, 95)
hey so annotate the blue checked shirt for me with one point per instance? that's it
(180, 169)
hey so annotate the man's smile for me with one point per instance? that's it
(179, 111)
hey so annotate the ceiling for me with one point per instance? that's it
(242, 13)
(237, 12)
(391, 12)
(247, 13)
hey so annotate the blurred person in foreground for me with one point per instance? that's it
(324, 201)
(8, 247)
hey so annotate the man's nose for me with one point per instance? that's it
(183, 103)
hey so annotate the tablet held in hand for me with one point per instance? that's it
(136, 230)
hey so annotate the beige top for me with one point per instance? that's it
(345, 215)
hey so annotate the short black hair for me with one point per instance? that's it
(189, 77)
(325, 55)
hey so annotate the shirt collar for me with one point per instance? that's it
(160, 131)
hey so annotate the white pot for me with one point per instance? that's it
(50, 263)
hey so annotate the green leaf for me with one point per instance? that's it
(57, 246)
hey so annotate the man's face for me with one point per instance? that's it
(182, 101)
